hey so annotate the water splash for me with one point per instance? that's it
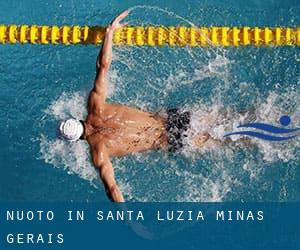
(192, 185)
(212, 84)
(74, 158)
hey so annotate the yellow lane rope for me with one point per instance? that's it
(152, 35)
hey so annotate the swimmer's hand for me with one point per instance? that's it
(115, 24)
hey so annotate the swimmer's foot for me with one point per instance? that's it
(200, 140)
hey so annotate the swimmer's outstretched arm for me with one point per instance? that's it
(103, 164)
(105, 56)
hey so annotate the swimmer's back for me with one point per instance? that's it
(126, 130)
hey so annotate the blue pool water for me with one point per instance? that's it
(42, 84)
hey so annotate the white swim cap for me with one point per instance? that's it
(70, 130)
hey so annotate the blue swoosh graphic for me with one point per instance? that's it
(261, 136)
(269, 128)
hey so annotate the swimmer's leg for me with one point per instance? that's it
(200, 140)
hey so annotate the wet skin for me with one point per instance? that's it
(118, 130)
(113, 129)
(123, 130)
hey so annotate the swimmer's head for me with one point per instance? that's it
(70, 130)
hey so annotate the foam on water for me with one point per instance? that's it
(192, 186)
(72, 157)
(200, 81)
(211, 189)
(218, 120)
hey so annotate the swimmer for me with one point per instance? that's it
(114, 130)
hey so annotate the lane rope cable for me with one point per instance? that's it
(152, 35)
